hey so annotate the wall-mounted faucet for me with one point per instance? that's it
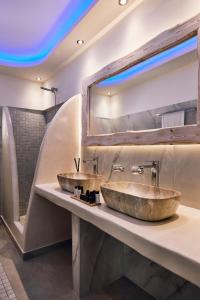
(95, 162)
(118, 168)
(155, 170)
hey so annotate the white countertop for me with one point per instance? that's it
(174, 243)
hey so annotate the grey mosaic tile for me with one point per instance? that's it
(50, 113)
(29, 127)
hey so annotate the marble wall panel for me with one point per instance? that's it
(180, 166)
(150, 119)
(98, 259)
(157, 281)
(100, 125)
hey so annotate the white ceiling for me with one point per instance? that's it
(24, 24)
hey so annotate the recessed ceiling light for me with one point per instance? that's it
(80, 42)
(123, 2)
(38, 78)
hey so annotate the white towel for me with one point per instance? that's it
(173, 119)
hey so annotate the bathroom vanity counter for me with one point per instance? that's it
(173, 243)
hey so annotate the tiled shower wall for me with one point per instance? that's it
(29, 127)
(50, 113)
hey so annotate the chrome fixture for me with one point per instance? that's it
(80, 42)
(123, 2)
(118, 168)
(52, 90)
(95, 162)
(155, 170)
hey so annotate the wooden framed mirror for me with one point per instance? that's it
(150, 96)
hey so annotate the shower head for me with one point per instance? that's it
(53, 89)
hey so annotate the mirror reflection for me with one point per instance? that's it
(159, 92)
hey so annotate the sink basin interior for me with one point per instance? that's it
(141, 190)
(68, 181)
(79, 176)
(141, 201)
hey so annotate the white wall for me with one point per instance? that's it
(100, 106)
(22, 93)
(149, 92)
(141, 25)
(173, 87)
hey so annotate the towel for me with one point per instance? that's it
(173, 119)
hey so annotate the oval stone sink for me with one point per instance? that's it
(68, 181)
(141, 201)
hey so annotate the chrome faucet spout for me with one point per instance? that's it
(155, 173)
(137, 170)
(155, 170)
(118, 168)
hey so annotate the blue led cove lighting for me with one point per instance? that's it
(72, 14)
(149, 64)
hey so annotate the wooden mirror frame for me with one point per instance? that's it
(164, 41)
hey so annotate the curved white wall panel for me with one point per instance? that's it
(47, 223)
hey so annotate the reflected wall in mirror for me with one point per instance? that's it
(159, 92)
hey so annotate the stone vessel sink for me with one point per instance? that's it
(68, 181)
(141, 201)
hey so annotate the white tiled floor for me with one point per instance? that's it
(6, 291)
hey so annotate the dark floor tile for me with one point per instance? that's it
(122, 289)
(49, 276)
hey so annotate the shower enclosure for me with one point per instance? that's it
(25, 128)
